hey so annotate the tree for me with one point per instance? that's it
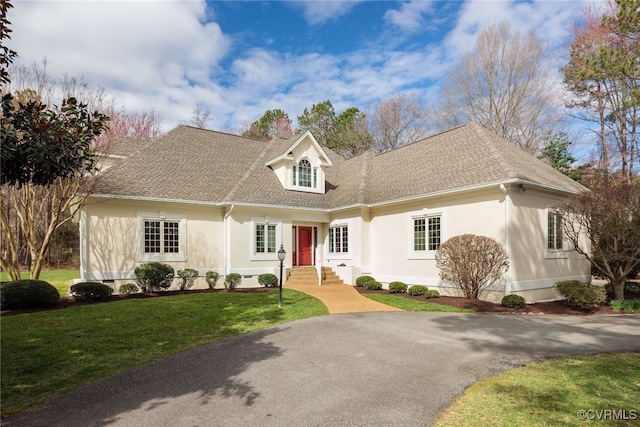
(556, 152)
(199, 117)
(503, 86)
(273, 124)
(398, 121)
(47, 161)
(471, 262)
(609, 217)
(346, 133)
(603, 74)
(6, 55)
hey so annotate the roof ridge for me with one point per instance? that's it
(267, 147)
(495, 153)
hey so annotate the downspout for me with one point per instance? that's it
(83, 243)
(227, 241)
(507, 233)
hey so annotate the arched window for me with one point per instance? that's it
(304, 173)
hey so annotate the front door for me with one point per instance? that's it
(305, 245)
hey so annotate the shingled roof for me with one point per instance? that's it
(203, 166)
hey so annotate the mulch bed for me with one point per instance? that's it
(539, 308)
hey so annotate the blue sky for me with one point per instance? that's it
(239, 59)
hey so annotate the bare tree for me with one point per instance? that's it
(199, 117)
(471, 262)
(397, 121)
(501, 84)
(609, 217)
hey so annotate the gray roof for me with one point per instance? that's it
(200, 165)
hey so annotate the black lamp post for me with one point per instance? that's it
(281, 254)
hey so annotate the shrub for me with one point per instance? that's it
(232, 280)
(268, 280)
(90, 291)
(431, 293)
(362, 281)
(513, 301)
(212, 278)
(27, 294)
(154, 276)
(626, 305)
(128, 289)
(581, 295)
(372, 285)
(473, 263)
(397, 287)
(417, 290)
(187, 277)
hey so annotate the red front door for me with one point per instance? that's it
(305, 245)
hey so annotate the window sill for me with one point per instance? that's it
(162, 258)
(422, 255)
(555, 254)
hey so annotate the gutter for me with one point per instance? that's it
(507, 228)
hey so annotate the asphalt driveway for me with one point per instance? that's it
(363, 369)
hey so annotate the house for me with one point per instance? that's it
(214, 201)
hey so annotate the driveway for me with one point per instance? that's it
(362, 369)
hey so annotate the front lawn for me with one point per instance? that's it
(60, 279)
(575, 391)
(49, 353)
(408, 304)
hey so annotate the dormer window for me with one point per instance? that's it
(304, 175)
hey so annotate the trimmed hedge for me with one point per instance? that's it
(268, 280)
(27, 293)
(513, 301)
(397, 287)
(90, 291)
(212, 278)
(154, 276)
(373, 285)
(362, 281)
(187, 278)
(581, 295)
(128, 289)
(431, 293)
(417, 290)
(232, 280)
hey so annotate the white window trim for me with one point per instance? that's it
(293, 183)
(339, 255)
(561, 253)
(180, 256)
(267, 256)
(425, 213)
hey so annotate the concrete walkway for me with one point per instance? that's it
(342, 298)
(360, 369)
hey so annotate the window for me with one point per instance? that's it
(265, 238)
(426, 233)
(161, 237)
(304, 177)
(339, 239)
(554, 230)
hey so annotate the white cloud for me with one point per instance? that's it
(321, 11)
(410, 16)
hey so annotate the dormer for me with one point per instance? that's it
(301, 166)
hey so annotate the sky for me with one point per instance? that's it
(238, 59)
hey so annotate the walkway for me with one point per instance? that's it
(342, 298)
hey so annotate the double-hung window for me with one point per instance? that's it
(161, 238)
(265, 238)
(339, 239)
(427, 233)
(554, 230)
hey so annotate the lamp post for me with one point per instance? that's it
(281, 254)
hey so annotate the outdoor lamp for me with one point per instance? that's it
(281, 254)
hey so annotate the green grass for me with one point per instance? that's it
(552, 393)
(408, 304)
(60, 279)
(46, 354)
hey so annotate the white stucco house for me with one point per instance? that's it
(214, 201)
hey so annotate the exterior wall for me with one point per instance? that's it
(392, 258)
(111, 237)
(535, 268)
(356, 219)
